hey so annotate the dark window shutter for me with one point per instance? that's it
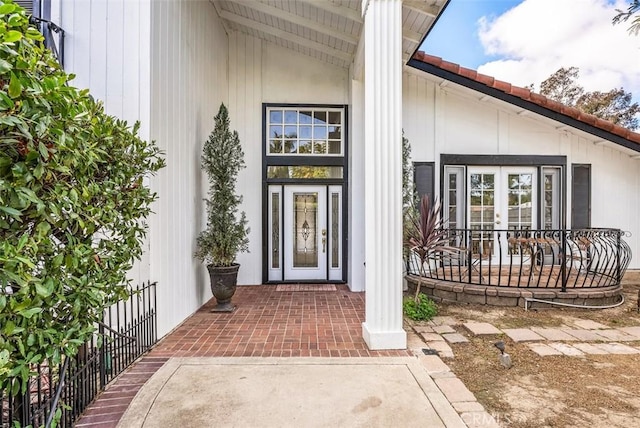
(26, 4)
(423, 177)
(580, 196)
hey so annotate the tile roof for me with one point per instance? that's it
(527, 95)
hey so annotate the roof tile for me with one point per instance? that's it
(527, 95)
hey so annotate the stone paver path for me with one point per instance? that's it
(544, 350)
(554, 334)
(589, 325)
(455, 338)
(585, 337)
(522, 334)
(481, 328)
(566, 349)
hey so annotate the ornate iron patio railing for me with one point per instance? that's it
(558, 259)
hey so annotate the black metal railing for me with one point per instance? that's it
(128, 331)
(562, 259)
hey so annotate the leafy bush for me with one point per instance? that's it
(420, 309)
(72, 204)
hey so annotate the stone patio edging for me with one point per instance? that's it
(447, 291)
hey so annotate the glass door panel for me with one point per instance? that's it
(483, 214)
(305, 231)
(519, 201)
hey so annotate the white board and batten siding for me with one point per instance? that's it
(107, 47)
(261, 72)
(165, 64)
(189, 80)
(454, 120)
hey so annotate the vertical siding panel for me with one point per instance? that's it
(79, 42)
(98, 49)
(114, 56)
(131, 61)
(189, 47)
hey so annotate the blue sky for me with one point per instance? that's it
(525, 41)
(455, 36)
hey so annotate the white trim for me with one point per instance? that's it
(335, 273)
(383, 339)
(275, 273)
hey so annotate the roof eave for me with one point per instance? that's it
(527, 105)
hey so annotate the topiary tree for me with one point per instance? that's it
(72, 205)
(222, 159)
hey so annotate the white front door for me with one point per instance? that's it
(500, 198)
(306, 241)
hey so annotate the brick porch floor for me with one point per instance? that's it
(267, 323)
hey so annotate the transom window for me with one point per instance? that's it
(305, 131)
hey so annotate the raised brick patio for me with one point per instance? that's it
(267, 323)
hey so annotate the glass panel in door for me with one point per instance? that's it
(305, 231)
(483, 216)
(519, 200)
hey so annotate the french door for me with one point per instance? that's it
(500, 198)
(305, 223)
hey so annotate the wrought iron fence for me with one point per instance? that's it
(129, 330)
(562, 259)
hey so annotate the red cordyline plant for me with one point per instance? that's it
(425, 235)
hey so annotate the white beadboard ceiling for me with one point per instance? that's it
(328, 30)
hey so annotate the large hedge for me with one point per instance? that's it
(72, 204)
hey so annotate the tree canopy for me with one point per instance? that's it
(72, 204)
(614, 105)
(633, 11)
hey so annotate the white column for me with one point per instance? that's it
(382, 328)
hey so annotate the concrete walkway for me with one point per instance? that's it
(303, 392)
(180, 379)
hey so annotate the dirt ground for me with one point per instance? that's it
(553, 391)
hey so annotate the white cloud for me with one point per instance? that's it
(537, 37)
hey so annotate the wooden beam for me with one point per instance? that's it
(336, 9)
(241, 20)
(422, 7)
(412, 36)
(216, 6)
(298, 20)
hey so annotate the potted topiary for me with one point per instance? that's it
(226, 234)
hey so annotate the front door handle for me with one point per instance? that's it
(324, 239)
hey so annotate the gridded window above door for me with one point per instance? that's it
(305, 131)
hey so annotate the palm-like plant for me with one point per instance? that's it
(426, 236)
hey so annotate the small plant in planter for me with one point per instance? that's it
(227, 233)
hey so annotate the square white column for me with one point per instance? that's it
(382, 328)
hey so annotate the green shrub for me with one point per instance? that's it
(421, 310)
(73, 201)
